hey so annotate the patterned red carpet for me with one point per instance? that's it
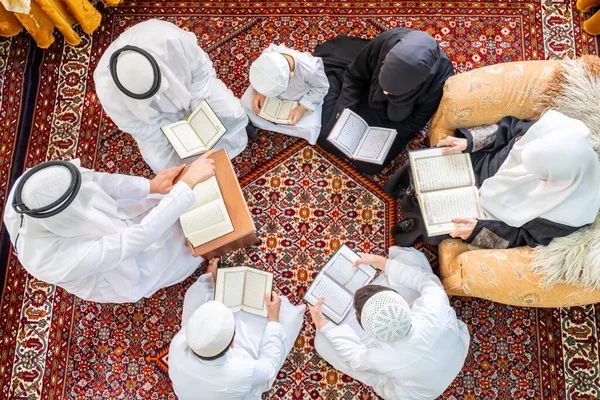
(305, 204)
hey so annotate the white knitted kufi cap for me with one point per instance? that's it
(210, 329)
(270, 74)
(386, 316)
(135, 72)
(45, 186)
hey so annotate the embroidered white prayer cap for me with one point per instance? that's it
(386, 316)
(210, 329)
(270, 74)
(135, 72)
(46, 186)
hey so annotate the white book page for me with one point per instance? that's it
(341, 270)
(375, 145)
(433, 171)
(286, 108)
(337, 300)
(348, 132)
(206, 223)
(205, 192)
(258, 283)
(270, 108)
(440, 207)
(230, 287)
(183, 139)
(207, 125)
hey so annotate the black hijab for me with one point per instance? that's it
(406, 63)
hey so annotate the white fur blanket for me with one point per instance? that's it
(574, 90)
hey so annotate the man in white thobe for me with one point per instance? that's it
(288, 75)
(407, 342)
(218, 355)
(155, 74)
(119, 239)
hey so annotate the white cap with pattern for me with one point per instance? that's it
(45, 186)
(270, 74)
(386, 316)
(210, 329)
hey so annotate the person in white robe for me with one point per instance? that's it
(144, 98)
(403, 338)
(228, 356)
(288, 75)
(119, 240)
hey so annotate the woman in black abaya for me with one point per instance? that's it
(393, 81)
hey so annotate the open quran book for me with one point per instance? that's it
(446, 188)
(243, 288)
(277, 111)
(197, 134)
(356, 139)
(207, 219)
(337, 282)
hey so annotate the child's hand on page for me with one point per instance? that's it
(273, 306)
(200, 170)
(296, 114)
(377, 262)
(464, 228)
(452, 145)
(258, 102)
(316, 314)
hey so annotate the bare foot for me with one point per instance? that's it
(213, 264)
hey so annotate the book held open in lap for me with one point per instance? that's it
(356, 139)
(277, 111)
(337, 282)
(243, 288)
(197, 134)
(446, 188)
(207, 219)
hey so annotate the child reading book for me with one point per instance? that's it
(286, 93)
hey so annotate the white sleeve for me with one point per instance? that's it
(348, 346)
(123, 186)
(107, 252)
(271, 354)
(319, 86)
(201, 69)
(199, 293)
(430, 312)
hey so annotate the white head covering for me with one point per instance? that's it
(45, 187)
(552, 172)
(135, 72)
(386, 316)
(270, 74)
(210, 329)
(50, 248)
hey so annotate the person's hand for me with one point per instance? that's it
(213, 264)
(273, 306)
(464, 230)
(316, 314)
(200, 170)
(453, 145)
(377, 262)
(296, 114)
(162, 183)
(258, 102)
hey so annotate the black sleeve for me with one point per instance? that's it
(490, 234)
(357, 79)
(491, 138)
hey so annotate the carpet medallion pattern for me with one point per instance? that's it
(305, 204)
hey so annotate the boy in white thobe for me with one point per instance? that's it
(160, 78)
(288, 75)
(412, 345)
(118, 240)
(204, 359)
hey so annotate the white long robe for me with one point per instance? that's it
(422, 365)
(114, 244)
(308, 86)
(188, 78)
(247, 370)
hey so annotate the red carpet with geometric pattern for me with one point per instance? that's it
(305, 204)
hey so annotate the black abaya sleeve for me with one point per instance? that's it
(491, 234)
(357, 78)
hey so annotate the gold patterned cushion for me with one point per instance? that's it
(486, 95)
(503, 276)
